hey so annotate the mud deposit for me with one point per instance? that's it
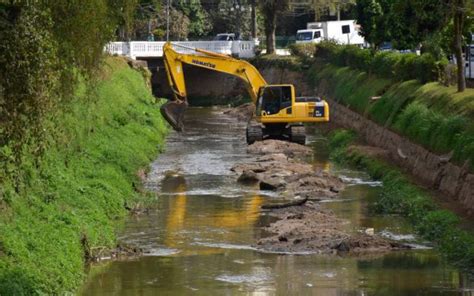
(280, 166)
(311, 229)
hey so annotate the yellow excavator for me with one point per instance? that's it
(278, 113)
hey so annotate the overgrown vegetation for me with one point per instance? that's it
(72, 199)
(400, 196)
(384, 64)
(430, 114)
(283, 62)
(45, 48)
(73, 133)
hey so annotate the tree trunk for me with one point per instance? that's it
(254, 20)
(457, 43)
(270, 28)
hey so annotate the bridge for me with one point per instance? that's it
(154, 49)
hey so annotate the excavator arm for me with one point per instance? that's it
(173, 110)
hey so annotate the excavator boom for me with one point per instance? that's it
(173, 110)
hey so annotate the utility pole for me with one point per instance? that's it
(168, 3)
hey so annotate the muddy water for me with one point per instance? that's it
(198, 240)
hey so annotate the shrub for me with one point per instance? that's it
(327, 50)
(304, 51)
(341, 138)
(387, 64)
(436, 224)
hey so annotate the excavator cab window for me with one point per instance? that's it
(272, 99)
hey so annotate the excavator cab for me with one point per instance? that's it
(274, 98)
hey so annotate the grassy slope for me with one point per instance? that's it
(73, 201)
(400, 196)
(432, 115)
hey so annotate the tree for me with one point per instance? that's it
(418, 20)
(233, 17)
(125, 16)
(459, 13)
(370, 15)
(331, 5)
(270, 10)
(199, 24)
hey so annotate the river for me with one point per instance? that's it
(198, 237)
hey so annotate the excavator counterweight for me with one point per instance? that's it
(278, 112)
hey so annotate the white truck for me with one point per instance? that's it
(344, 32)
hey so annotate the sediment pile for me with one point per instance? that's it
(278, 166)
(303, 225)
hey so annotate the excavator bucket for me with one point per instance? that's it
(173, 112)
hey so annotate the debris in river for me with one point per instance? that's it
(278, 171)
(297, 202)
(310, 228)
(276, 146)
(303, 225)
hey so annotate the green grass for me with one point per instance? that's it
(75, 198)
(400, 196)
(347, 86)
(432, 115)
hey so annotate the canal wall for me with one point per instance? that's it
(432, 170)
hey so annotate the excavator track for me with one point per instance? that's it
(254, 134)
(298, 134)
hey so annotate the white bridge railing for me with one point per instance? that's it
(143, 49)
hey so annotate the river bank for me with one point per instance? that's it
(72, 202)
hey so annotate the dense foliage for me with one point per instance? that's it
(412, 24)
(65, 170)
(407, 24)
(386, 64)
(44, 48)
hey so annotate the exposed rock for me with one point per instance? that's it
(280, 173)
(272, 183)
(248, 176)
